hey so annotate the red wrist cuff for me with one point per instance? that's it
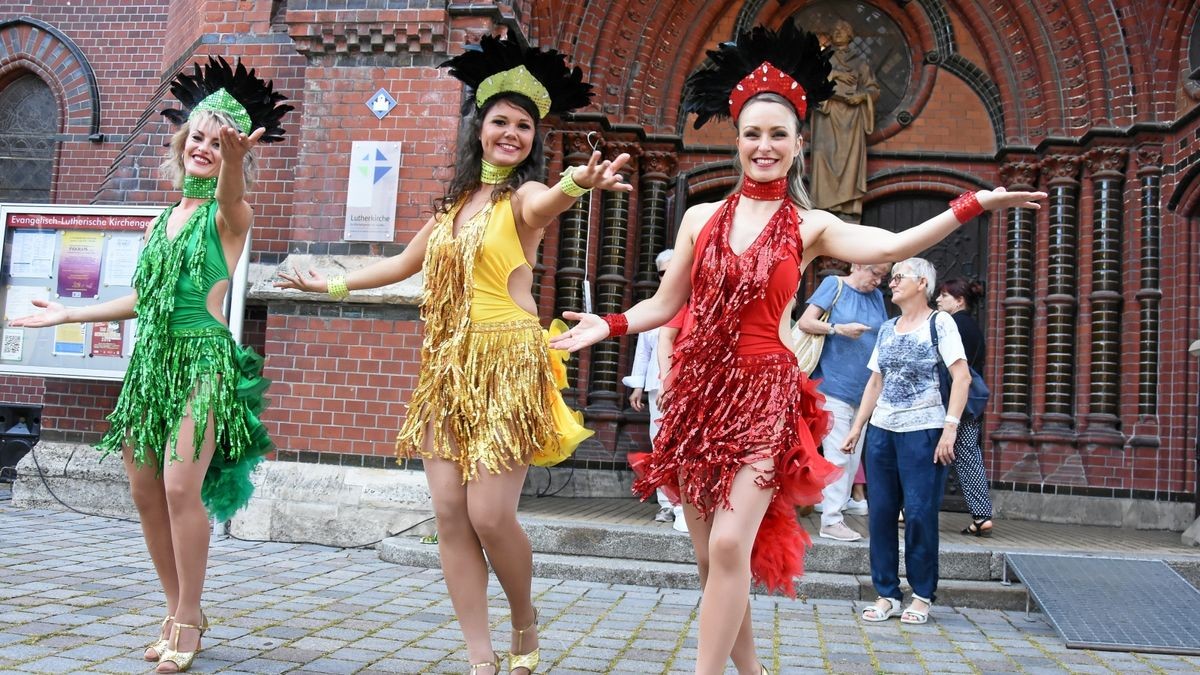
(618, 325)
(966, 206)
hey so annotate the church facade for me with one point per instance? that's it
(1091, 302)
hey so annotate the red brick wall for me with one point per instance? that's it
(22, 390)
(953, 120)
(423, 122)
(341, 383)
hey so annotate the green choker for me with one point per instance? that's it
(199, 188)
(494, 175)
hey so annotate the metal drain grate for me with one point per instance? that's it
(1114, 604)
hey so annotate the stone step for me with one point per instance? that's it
(662, 544)
(404, 550)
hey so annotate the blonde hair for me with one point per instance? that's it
(172, 165)
(795, 176)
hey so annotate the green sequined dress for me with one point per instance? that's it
(186, 362)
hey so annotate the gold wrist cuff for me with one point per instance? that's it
(337, 288)
(568, 185)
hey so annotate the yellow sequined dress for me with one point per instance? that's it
(489, 383)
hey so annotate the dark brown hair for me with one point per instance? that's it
(967, 290)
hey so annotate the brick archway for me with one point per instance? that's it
(28, 44)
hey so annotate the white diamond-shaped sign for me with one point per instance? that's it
(381, 103)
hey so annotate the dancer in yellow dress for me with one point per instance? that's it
(487, 403)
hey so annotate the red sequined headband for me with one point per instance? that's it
(766, 78)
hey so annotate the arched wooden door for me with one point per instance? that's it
(962, 254)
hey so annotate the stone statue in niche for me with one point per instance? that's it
(840, 127)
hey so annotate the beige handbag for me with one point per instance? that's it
(808, 346)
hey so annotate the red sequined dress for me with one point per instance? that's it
(737, 395)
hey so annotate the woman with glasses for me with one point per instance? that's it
(741, 420)
(910, 442)
(855, 313)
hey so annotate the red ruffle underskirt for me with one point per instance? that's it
(766, 407)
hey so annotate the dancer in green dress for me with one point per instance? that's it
(186, 422)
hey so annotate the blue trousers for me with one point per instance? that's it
(901, 472)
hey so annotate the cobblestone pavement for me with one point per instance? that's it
(77, 594)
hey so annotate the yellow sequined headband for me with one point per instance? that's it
(518, 80)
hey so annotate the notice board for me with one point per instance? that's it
(76, 255)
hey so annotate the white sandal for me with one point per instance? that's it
(878, 615)
(916, 617)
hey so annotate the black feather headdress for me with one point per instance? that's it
(789, 62)
(496, 66)
(252, 102)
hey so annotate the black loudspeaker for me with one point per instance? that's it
(20, 428)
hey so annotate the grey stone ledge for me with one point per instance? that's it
(260, 284)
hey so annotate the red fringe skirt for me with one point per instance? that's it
(766, 408)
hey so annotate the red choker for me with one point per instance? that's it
(766, 192)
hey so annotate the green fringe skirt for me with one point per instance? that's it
(195, 371)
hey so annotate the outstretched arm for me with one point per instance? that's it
(232, 210)
(54, 313)
(869, 245)
(381, 273)
(540, 205)
(673, 291)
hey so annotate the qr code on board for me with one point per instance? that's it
(10, 345)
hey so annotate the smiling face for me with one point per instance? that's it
(507, 134)
(768, 140)
(202, 148)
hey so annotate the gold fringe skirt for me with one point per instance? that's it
(499, 405)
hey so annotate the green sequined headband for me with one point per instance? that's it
(222, 101)
(238, 92)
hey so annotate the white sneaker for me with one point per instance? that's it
(840, 532)
(664, 515)
(680, 524)
(855, 507)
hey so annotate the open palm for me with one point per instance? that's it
(311, 281)
(590, 330)
(52, 314)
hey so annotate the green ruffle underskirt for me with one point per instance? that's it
(189, 367)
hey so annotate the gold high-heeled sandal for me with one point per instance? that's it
(183, 660)
(494, 664)
(527, 661)
(162, 643)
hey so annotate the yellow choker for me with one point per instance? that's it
(494, 175)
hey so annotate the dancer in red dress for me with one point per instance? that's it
(742, 423)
